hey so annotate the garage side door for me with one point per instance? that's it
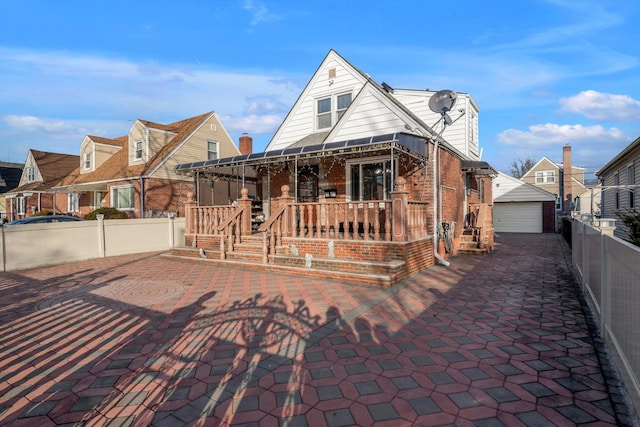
(525, 217)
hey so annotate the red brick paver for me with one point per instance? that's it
(499, 340)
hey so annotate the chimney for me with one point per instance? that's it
(567, 179)
(246, 144)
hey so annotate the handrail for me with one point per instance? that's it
(231, 230)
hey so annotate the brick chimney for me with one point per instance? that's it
(567, 179)
(246, 144)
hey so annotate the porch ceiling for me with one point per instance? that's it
(406, 143)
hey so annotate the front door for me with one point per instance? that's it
(308, 184)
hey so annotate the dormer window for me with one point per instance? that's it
(87, 161)
(31, 174)
(138, 150)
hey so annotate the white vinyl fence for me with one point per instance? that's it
(609, 270)
(36, 245)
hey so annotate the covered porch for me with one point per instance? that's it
(367, 208)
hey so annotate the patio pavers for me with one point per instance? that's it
(497, 340)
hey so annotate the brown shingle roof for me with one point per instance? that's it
(117, 166)
(53, 168)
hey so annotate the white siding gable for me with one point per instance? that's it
(509, 189)
(334, 76)
(462, 134)
(370, 114)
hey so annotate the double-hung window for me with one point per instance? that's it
(31, 173)
(343, 103)
(545, 177)
(73, 202)
(122, 197)
(330, 109)
(138, 150)
(616, 183)
(631, 182)
(87, 161)
(21, 205)
(324, 113)
(212, 150)
(370, 179)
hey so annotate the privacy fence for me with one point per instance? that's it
(36, 245)
(608, 269)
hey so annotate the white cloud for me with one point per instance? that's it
(553, 135)
(57, 129)
(254, 124)
(259, 12)
(602, 106)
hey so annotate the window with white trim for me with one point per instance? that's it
(323, 113)
(212, 150)
(330, 109)
(616, 183)
(87, 161)
(631, 181)
(73, 202)
(21, 205)
(546, 177)
(138, 150)
(31, 173)
(122, 197)
(369, 179)
(343, 103)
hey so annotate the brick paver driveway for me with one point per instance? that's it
(498, 340)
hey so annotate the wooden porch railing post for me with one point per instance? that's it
(244, 203)
(399, 205)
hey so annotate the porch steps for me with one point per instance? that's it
(370, 273)
(469, 243)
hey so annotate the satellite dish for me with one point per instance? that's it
(442, 101)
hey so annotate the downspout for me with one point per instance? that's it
(436, 207)
(141, 197)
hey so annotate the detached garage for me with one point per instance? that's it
(519, 207)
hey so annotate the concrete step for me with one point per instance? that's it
(371, 273)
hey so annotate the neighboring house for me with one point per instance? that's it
(10, 174)
(519, 207)
(42, 171)
(561, 179)
(589, 201)
(346, 149)
(135, 173)
(620, 179)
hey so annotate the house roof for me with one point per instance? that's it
(509, 189)
(10, 174)
(368, 82)
(53, 167)
(403, 142)
(117, 166)
(635, 144)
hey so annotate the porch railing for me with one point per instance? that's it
(397, 219)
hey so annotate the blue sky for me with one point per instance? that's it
(544, 73)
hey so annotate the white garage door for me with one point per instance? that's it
(523, 217)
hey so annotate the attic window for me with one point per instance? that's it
(343, 103)
(332, 73)
(545, 177)
(138, 150)
(31, 173)
(212, 150)
(87, 161)
(324, 113)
